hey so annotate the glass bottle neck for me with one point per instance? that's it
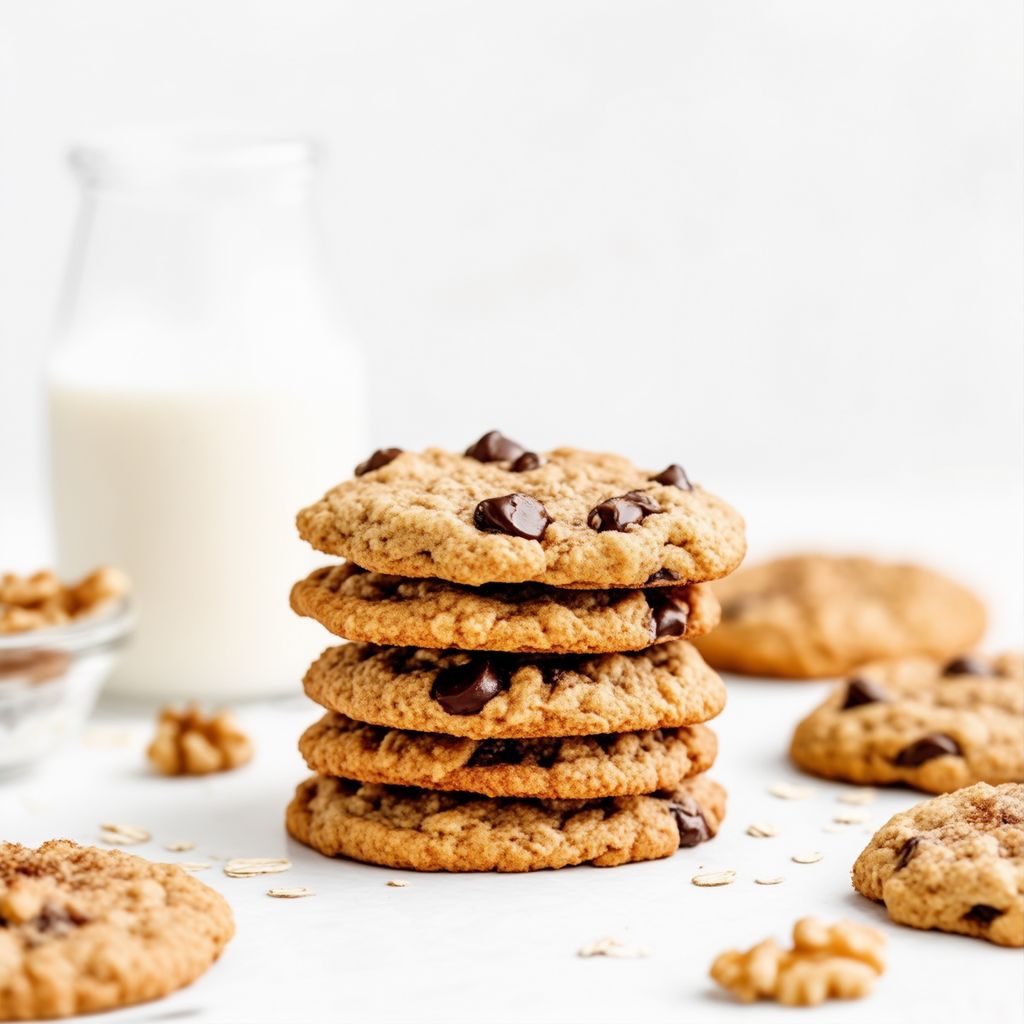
(195, 241)
(195, 263)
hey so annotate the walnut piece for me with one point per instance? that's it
(189, 743)
(839, 961)
(41, 600)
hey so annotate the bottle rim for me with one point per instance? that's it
(151, 156)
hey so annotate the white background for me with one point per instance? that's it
(778, 242)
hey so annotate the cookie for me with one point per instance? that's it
(515, 696)
(811, 616)
(567, 768)
(428, 830)
(569, 518)
(381, 609)
(932, 725)
(954, 862)
(83, 930)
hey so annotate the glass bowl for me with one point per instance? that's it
(50, 679)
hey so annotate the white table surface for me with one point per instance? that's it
(466, 948)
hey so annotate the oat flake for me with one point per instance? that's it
(290, 894)
(807, 858)
(772, 880)
(123, 835)
(762, 830)
(859, 796)
(850, 818)
(611, 948)
(791, 791)
(247, 867)
(726, 877)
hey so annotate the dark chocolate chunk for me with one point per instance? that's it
(693, 829)
(983, 914)
(927, 748)
(674, 476)
(618, 513)
(967, 666)
(495, 447)
(669, 613)
(489, 753)
(518, 515)
(53, 920)
(553, 666)
(465, 689)
(527, 461)
(381, 457)
(862, 691)
(907, 850)
(660, 576)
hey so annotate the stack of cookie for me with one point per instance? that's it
(518, 694)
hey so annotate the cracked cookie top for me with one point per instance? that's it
(955, 862)
(567, 518)
(378, 608)
(513, 696)
(934, 725)
(83, 929)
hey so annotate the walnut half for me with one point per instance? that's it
(42, 600)
(839, 961)
(189, 743)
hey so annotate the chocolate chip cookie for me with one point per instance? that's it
(499, 514)
(933, 725)
(513, 696)
(381, 609)
(83, 930)
(811, 616)
(437, 831)
(559, 768)
(954, 862)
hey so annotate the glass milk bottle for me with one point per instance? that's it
(200, 392)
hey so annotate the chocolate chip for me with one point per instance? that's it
(935, 744)
(907, 850)
(552, 674)
(862, 691)
(669, 613)
(618, 513)
(644, 500)
(693, 828)
(381, 457)
(967, 666)
(660, 575)
(673, 476)
(552, 666)
(373, 736)
(527, 461)
(465, 689)
(489, 753)
(983, 914)
(544, 752)
(518, 515)
(495, 447)
(52, 919)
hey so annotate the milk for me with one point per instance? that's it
(194, 494)
(200, 393)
